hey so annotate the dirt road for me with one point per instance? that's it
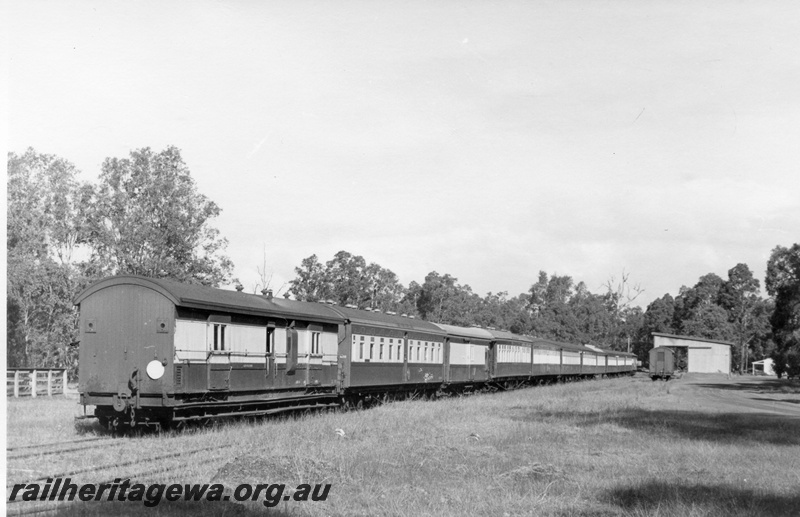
(738, 394)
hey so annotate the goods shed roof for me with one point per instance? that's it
(690, 338)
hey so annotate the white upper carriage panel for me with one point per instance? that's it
(468, 345)
(377, 337)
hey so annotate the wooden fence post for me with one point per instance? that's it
(34, 375)
(49, 383)
(64, 382)
(16, 383)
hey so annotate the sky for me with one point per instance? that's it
(487, 140)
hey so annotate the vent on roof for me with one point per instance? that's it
(239, 288)
(267, 293)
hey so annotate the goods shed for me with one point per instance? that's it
(702, 355)
(764, 366)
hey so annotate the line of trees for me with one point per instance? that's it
(143, 216)
(556, 307)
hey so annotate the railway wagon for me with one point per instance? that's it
(155, 351)
(662, 363)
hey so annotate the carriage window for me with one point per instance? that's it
(371, 349)
(390, 350)
(219, 336)
(380, 352)
(315, 342)
(270, 340)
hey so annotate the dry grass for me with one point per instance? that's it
(611, 447)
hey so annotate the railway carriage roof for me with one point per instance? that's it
(469, 332)
(381, 319)
(566, 346)
(508, 336)
(210, 298)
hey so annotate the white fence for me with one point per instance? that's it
(36, 382)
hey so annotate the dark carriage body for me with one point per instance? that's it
(214, 348)
(511, 356)
(157, 351)
(467, 354)
(662, 363)
(386, 351)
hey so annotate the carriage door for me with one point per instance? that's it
(446, 358)
(470, 361)
(269, 356)
(406, 373)
(219, 360)
(313, 355)
(491, 359)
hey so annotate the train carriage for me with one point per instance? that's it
(467, 359)
(389, 350)
(546, 358)
(159, 351)
(183, 350)
(510, 356)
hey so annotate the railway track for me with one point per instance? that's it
(55, 444)
(29, 454)
(135, 474)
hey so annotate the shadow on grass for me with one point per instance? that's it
(739, 428)
(676, 498)
(765, 385)
(789, 401)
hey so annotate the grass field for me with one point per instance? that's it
(625, 446)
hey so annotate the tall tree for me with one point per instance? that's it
(442, 300)
(620, 295)
(660, 315)
(553, 317)
(740, 296)
(690, 300)
(310, 284)
(709, 321)
(783, 284)
(347, 279)
(43, 229)
(146, 217)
